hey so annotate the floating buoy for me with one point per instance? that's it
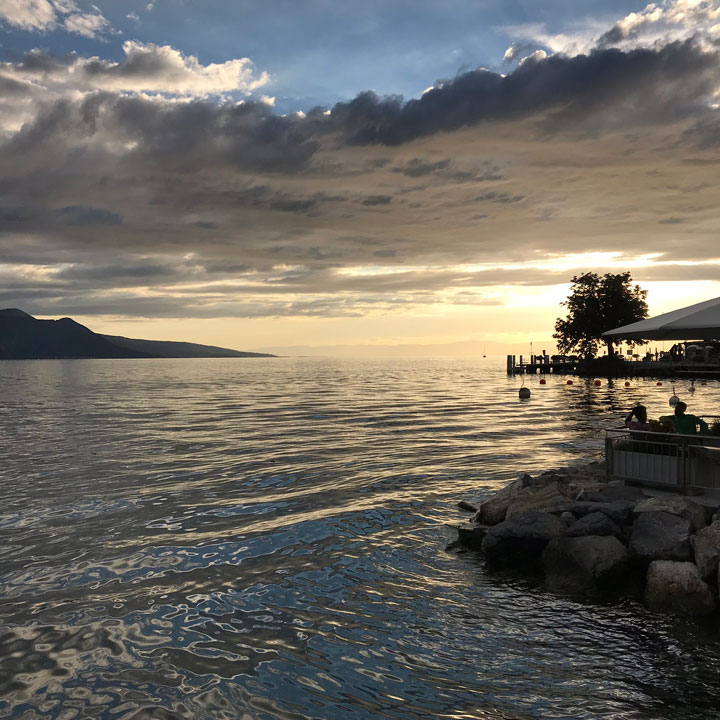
(658, 384)
(524, 393)
(703, 383)
(597, 383)
(627, 383)
(569, 382)
(673, 401)
(543, 381)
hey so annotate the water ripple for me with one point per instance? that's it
(266, 539)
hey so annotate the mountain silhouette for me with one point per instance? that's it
(23, 337)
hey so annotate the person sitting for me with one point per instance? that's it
(639, 412)
(684, 423)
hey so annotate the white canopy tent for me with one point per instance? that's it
(695, 322)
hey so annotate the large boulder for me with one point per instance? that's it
(519, 541)
(618, 510)
(553, 498)
(660, 536)
(494, 509)
(612, 492)
(675, 505)
(596, 523)
(678, 586)
(706, 547)
(711, 534)
(706, 558)
(471, 536)
(589, 566)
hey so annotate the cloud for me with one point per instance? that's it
(146, 68)
(606, 87)
(667, 21)
(140, 187)
(48, 15)
(29, 14)
(658, 23)
(377, 200)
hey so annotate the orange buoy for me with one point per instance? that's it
(658, 383)
(569, 382)
(703, 383)
(543, 381)
(597, 383)
(627, 383)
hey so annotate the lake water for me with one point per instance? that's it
(266, 538)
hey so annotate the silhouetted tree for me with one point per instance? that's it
(595, 305)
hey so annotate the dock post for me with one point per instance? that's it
(510, 365)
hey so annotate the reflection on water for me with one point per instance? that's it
(266, 539)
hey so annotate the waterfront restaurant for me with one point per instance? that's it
(689, 463)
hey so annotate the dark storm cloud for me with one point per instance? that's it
(138, 272)
(29, 219)
(81, 215)
(173, 135)
(493, 196)
(603, 87)
(448, 171)
(377, 200)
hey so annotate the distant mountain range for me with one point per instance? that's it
(23, 337)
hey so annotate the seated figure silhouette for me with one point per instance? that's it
(639, 413)
(685, 423)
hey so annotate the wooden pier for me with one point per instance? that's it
(541, 364)
(571, 365)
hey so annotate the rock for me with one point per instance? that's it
(494, 509)
(660, 536)
(463, 505)
(588, 492)
(520, 540)
(471, 536)
(706, 558)
(588, 566)
(568, 518)
(711, 534)
(675, 505)
(596, 523)
(706, 546)
(611, 493)
(678, 586)
(619, 510)
(553, 498)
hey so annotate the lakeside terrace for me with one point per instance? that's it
(689, 464)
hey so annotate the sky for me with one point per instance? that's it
(315, 176)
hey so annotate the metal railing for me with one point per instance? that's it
(662, 459)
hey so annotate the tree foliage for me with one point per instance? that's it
(595, 305)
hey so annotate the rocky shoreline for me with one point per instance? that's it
(586, 537)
